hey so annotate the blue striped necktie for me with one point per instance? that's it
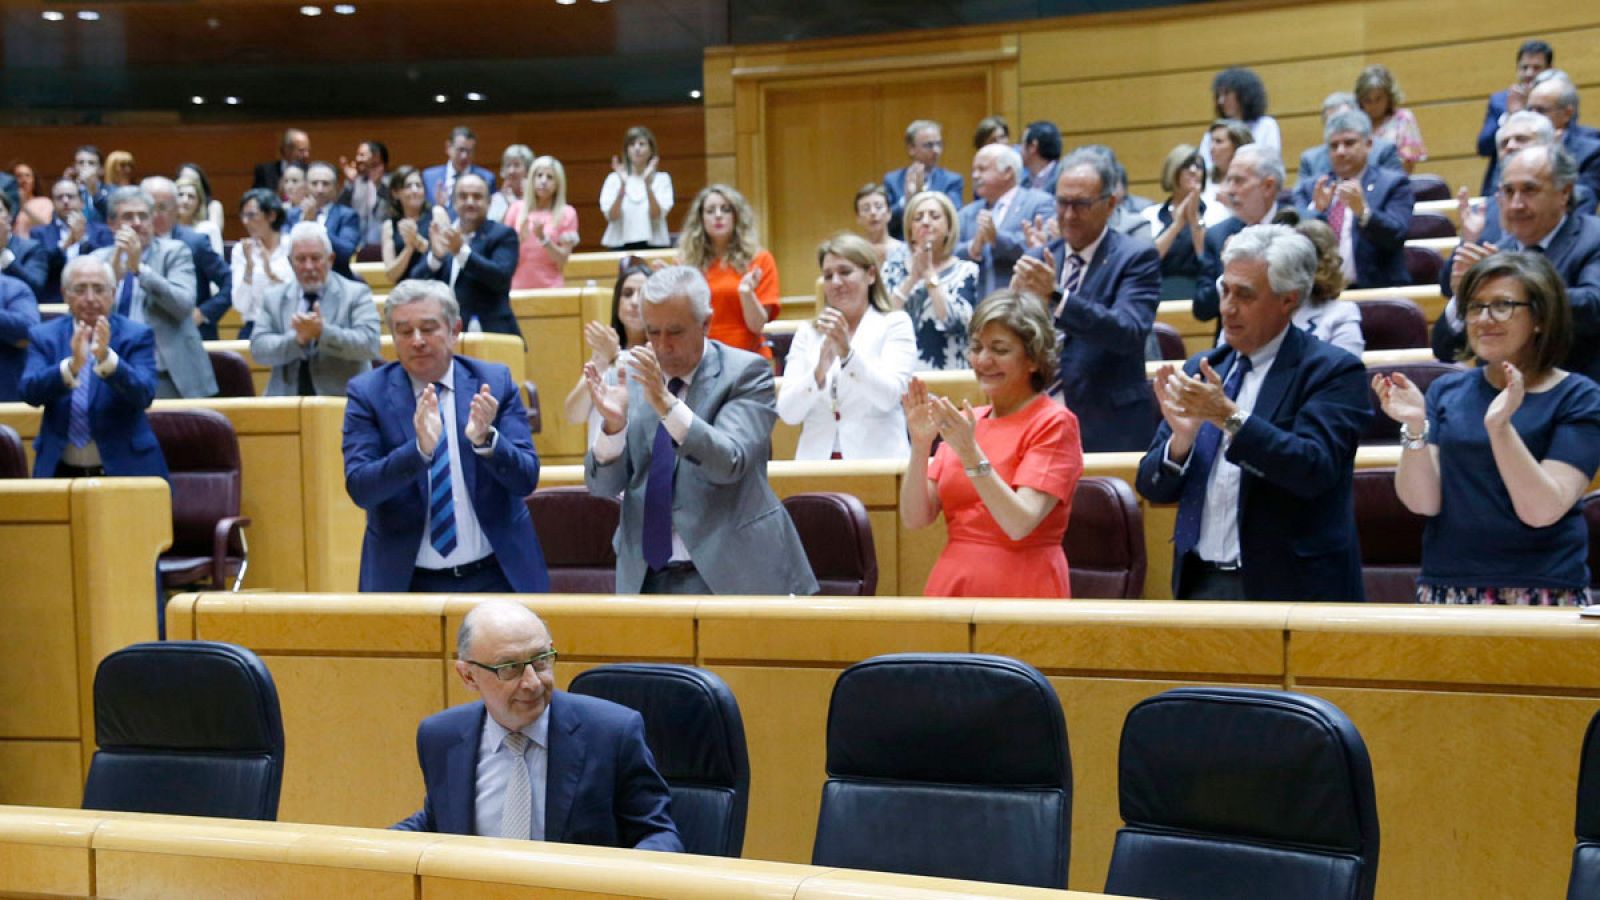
(441, 498)
(1191, 504)
(78, 418)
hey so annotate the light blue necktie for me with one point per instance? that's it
(78, 419)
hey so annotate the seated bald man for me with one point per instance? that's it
(528, 761)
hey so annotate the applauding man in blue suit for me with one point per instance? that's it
(475, 256)
(437, 451)
(528, 761)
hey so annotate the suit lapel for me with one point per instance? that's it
(461, 779)
(705, 376)
(563, 768)
(1284, 367)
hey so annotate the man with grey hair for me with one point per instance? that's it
(321, 205)
(1314, 161)
(94, 373)
(1258, 440)
(213, 293)
(1535, 205)
(155, 285)
(1555, 96)
(318, 331)
(1254, 184)
(1368, 207)
(437, 451)
(993, 223)
(685, 438)
(1480, 222)
(1101, 287)
(924, 144)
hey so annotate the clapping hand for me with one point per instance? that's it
(307, 325)
(1036, 233)
(610, 400)
(428, 423)
(1188, 211)
(1465, 256)
(619, 167)
(481, 415)
(748, 284)
(651, 168)
(1353, 196)
(958, 428)
(603, 343)
(1035, 277)
(1401, 399)
(1322, 193)
(76, 226)
(100, 347)
(646, 369)
(125, 259)
(1472, 216)
(916, 174)
(82, 335)
(920, 421)
(985, 233)
(1508, 401)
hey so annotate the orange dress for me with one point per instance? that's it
(1037, 447)
(727, 314)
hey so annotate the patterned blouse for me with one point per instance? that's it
(1401, 129)
(940, 344)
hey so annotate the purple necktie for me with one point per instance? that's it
(78, 419)
(658, 494)
(1191, 505)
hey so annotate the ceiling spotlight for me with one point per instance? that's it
(566, 2)
(197, 100)
(694, 95)
(231, 101)
(310, 10)
(345, 9)
(88, 15)
(440, 98)
(474, 96)
(599, 1)
(52, 15)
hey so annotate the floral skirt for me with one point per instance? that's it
(1490, 596)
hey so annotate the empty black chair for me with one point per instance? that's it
(1423, 265)
(1170, 342)
(949, 765)
(1430, 225)
(1104, 542)
(693, 728)
(1390, 537)
(187, 728)
(1380, 428)
(1584, 882)
(233, 374)
(575, 529)
(208, 543)
(780, 342)
(1393, 323)
(837, 537)
(531, 401)
(13, 458)
(1237, 793)
(1429, 187)
(1591, 516)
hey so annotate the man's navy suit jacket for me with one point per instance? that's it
(213, 279)
(1379, 245)
(484, 286)
(117, 404)
(433, 176)
(601, 783)
(19, 313)
(387, 477)
(1297, 521)
(344, 232)
(95, 236)
(1103, 329)
(894, 185)
(29, 263)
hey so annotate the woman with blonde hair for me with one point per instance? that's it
(1380, 97)
(847, 368)
(193, 210)
(637, 195)
(936, 289)
(719, 239)
(119, 169)
(515, 164)
(546, 225)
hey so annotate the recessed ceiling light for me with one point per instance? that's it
(231, 101)
(474, 96)
(310, 10)
(345, 9)
(694, 95)
(566, 2)
(600, 1)
(52, 15)
(197, 100)
(88, 15)
(440, 98)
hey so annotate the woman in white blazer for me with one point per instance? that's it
(847, 369)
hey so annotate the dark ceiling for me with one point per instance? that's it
(398, 57)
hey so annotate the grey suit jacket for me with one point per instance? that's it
(347, 347)
(740, 537)
(996, 261)
(166, 290)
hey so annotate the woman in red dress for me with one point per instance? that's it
(719, 239)
(1005, 473)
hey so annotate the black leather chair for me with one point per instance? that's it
(1430, 225)
(1393, 323)
(233, 374)
(1429, 187)
(780, 342)
(575, 529)
(1105, 540)
(1380, 428)
(208, 544)
(1584, 882)
(187, 728)
(948, 765)
(1238, 793)
(1390, 537)
(1423, 265)
(837, 536)
(13, 458)
(1170, 342)
(693, 728)
(1591, 516)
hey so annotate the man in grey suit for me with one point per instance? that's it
(993, 223)
(156, 287)
(685, 439)
(1314, 162)
(318, 331)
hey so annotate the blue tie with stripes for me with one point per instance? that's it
(441, 499)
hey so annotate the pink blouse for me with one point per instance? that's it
(535, 268)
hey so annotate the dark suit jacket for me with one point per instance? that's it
(1314, 161)
(344, 232)
(1297, 523)
(117, 421)
(30, 264)
(19, 312)
(433, 176)
(8, 186)
(1585, 149)
(213, 292)
(1103, 328)
(894, 184)
(388, 478)
(1207, 302)
(601, 783)
(484, 286)
(1575, 253)
(1000, 256)
(267, 175)
(1380, 244)
(95, 236)
(1486, 143)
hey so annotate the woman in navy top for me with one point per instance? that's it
(1498, 456)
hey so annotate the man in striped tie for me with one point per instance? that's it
(529, 761)
(94, 373)
(438, 452)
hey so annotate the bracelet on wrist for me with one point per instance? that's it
(1410, 440)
